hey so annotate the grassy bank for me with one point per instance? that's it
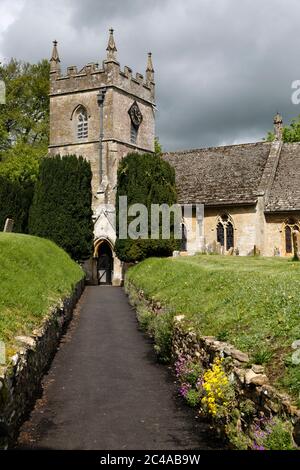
(253, 303)
(34, 275)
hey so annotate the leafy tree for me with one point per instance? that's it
(25, 116)
(61, 209)
(146, 179)
(24, 123)
(290, 134)
(21, 163)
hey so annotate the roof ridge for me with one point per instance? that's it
(173, 152)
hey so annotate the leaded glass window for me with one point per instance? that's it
(82, 124)
(229, 236)
(220, 234)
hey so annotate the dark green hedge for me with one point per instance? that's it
(145, 179)
(15, 201)
(61, 208)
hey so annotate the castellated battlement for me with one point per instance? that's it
(91, 76)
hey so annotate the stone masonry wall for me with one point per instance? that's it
(245, 230)
(20, 380)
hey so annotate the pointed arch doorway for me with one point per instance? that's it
(105, 263)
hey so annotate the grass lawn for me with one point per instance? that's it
(253, 303)
(34, 274)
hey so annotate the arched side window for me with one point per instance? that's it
(220, 234)
(288, 240)
(225, 232)
(291, 226)
(82, 127)
(183, 246)
(229, 236)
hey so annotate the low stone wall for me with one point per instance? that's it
(250, 382)
(20, 380)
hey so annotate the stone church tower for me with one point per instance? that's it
(102, 113)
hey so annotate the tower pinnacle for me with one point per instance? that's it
(55, 60)
(150, 69)
(278, 127)
(111, 47)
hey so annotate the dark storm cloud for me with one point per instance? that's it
(223, 67)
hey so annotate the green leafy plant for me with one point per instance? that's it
(262, 356)
(192, 397)
(236, 437)
(162, 326)
(145, 318)
(247, 408)
(222, 335)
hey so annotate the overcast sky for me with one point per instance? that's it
(222, 67)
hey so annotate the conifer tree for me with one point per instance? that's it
(15, 200)
(146, 179)
(61, 208)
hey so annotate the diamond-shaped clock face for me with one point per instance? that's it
(135, 114)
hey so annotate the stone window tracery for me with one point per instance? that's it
(225, 232)
(82, 127)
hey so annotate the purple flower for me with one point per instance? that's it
(199, 384)
(184, 389)
(258, 447)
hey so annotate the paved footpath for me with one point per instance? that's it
(105, 390)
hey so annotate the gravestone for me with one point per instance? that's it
(9, 224)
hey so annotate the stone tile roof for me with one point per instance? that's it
(285, 190)
(220, 175)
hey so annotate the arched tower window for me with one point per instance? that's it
(225, 232)
(82, 127)
(291, 226)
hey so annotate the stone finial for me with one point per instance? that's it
(55, 60)
(150, 69)
(278, 127)
(111, 47)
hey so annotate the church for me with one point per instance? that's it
(250, 192)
